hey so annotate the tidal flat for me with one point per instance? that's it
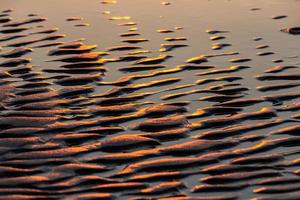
(149, 99)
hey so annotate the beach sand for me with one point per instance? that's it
(149, 99)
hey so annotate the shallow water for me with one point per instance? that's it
(91, 100)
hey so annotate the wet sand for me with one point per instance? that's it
(143, 99)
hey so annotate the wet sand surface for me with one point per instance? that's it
(149, 99)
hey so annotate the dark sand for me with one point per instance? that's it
(148, 99)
